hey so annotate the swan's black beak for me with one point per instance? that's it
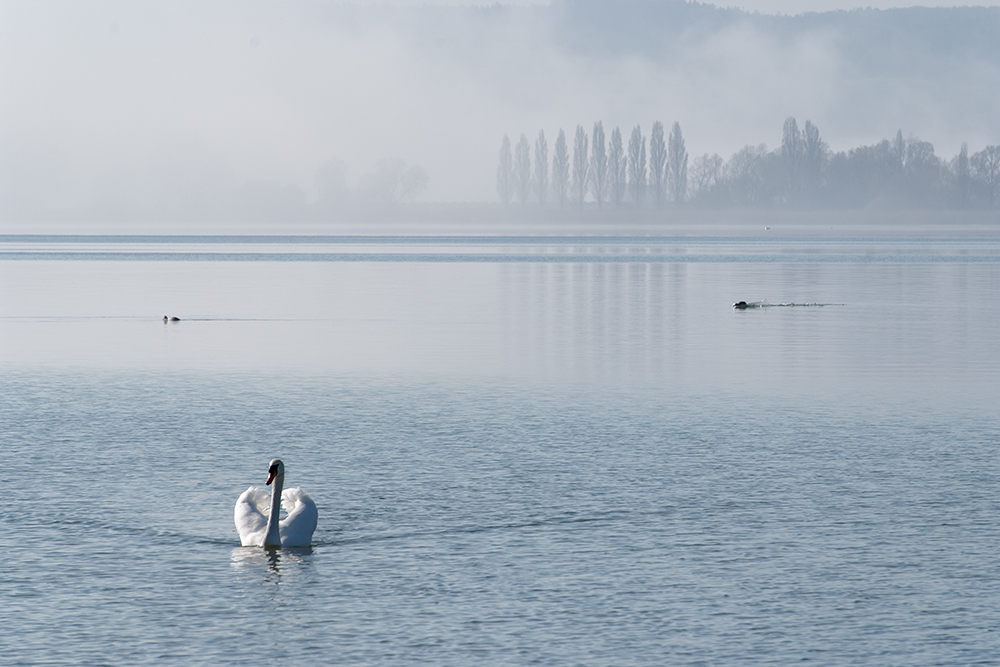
(272, 471)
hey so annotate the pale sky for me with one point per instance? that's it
(113, 104)
(762, 6)
(798, 7)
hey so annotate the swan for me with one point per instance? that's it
(257, 515)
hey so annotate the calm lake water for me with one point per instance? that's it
(524, 450)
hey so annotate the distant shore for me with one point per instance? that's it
(492, 220)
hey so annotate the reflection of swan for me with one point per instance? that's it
(257, 514)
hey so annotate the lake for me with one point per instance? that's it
(525, 449)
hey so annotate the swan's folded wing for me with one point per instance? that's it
(297, 528)
(251, 520)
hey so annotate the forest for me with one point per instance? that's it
(803, 173)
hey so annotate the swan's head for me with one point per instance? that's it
(275, 469)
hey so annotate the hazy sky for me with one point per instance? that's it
(122, 106)
(763, 6)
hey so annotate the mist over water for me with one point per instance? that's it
(179, 111)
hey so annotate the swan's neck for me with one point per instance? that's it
(273, 538)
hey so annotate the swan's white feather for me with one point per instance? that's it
(296, 529)
(251, 513)
(298, 526)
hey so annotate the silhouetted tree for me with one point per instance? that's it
(746, 176)
(598, 165)
(560, 169)
(392, 182)
(522, 170)
(895, 172)
(678, 164)
(963, 175)
(541, 168)
(505, 173)
(898, 163)
(923, 174)
(706, 174)
(581, 166)
(617, 179)
(637, 166)
(858, 176)
(814, 155)
(791, 157)
(986, 167)
(331, 185)
(658, 164)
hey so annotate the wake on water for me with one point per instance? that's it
(743, 305)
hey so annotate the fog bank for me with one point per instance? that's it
(184, 110)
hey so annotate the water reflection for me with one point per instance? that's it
(579, 309)
(273, 565)
(670, 323)
(596, 320)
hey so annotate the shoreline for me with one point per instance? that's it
(493, 220)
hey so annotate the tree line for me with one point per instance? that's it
(802, 173)
(603, 171)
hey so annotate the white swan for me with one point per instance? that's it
(257, 513)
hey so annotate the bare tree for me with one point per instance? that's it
(963, 175)
(678, 160)
(616, 169)
(522, 170)
(637, 167)
(924, 171)
(898, 159)
(986, 167)
(814, 156)
(392, 182)
(560, 169)
(581, 166)
(658, 164)
(791, 157)
(746, 176)
(706, 173)
(599, 165)
(505, 173)
(541, 168)
(331, 184)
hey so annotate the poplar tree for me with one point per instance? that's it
(617, 165)
(560, 169)
(599, 165)
(658, 164)
(963, 175)
(814, 155)
(581, 166)
(505, 173)
(541, 168)
(678, 164)
(791, 156)
(637, 166)
(522, 170)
